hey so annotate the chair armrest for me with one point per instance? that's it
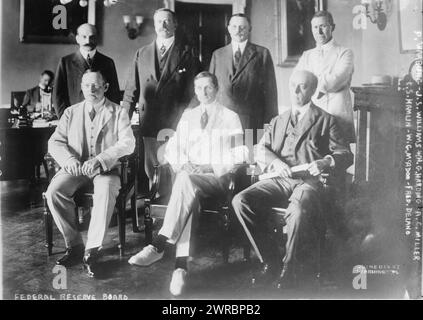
(155, 183)
(52, 166)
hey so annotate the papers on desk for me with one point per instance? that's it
(297, 172)
(42, 123)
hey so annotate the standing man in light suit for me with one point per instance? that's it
(87, 144)
(333, 65)
(200, 154)
(161, 81)
(246, 76)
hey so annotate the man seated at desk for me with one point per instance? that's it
(200, 154)
(37, 100)
(87, 144)
(304, 135)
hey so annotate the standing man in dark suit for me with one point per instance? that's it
(161, 81)
(246, 76)
(305, 135)
(67, 84)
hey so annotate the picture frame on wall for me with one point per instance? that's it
(410, 25)
(293, 29)
(36, 20)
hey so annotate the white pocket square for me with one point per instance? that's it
(182, 70)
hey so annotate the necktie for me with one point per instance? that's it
(92, 113)
(162, 50)
(204, 119)
(237, 58)
(295, 117)
(89, 60)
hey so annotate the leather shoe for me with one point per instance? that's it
(72, 256)
(89, 262)
(265, 275)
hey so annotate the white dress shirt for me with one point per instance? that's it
(240, 45)
(86, 53)
(211, 146)
(165, 42)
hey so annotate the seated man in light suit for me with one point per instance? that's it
(305, 135)
(87, 144)
(200, 154)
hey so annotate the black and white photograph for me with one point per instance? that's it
(223, 151)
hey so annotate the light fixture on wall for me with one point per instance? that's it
(379, 16)
(133, 31)
(84, 3)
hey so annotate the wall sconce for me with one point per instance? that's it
(378, 17)
(133, 31)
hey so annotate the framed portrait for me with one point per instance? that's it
(410, 25)
(49, 21)
(293, 28)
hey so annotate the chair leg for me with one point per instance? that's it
(45, 166)
(148, 222)
(48, 224)
(121, 226)
(134, 213)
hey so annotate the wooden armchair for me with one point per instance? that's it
(331, 202)
(154, 207)
(84, 199)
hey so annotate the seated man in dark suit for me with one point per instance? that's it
(305, 135)
(38, 99)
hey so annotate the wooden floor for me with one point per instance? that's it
(28, 270)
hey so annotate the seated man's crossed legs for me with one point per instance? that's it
(177, 223)
(253, 208)
(60, 198)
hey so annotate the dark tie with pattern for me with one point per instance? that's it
(204, 119)
(92, 113)
(162, 50)
(89, 61)
(237, 58)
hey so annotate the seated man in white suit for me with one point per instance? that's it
(87, 144)
(200, 154)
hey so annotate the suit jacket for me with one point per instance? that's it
(161, 100)
(209, 146)
(32, 96)
(250, 91)
(319, 136)
(67, 82)
(334, 71)
(114, 138)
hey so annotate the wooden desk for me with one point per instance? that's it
(377, 155)
(21, 151)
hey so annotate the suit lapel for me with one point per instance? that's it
(106, 115)
(150, 57)
(228, 60)
(283, 127)
(306, 123)
(173, 60)
(80, 132)
(249, 53)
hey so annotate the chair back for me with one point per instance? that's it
(16, 98)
